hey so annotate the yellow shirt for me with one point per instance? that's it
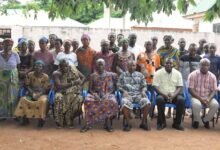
(167, 82)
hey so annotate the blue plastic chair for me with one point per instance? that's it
(136, 106)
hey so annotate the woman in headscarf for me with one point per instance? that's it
(100, 104)
(8, 79)
(31, 47)
(85, 56)
(34, 103)
(122, 58)
(68, 99)
(168, 51)
(44, 55)
(105, 54)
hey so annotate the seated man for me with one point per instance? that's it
(168, 84)
(34, 104)
(133, 86)
(68, 99)
(203, 87)
(100, 104)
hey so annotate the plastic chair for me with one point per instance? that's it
(136, 106)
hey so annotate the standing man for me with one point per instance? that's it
(133, 47)
(214, 61)
(200, 50)
(154, 41)
(168, 84)
(112, 46)
(182, 45)
(203, 87)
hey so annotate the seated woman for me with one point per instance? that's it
(100, 104)
(68, 99)
(34, 104)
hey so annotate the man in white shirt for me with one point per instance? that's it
(133, 47)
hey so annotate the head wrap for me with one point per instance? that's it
(39, 62)
(43, 39)
(85, 36)
(124, 40)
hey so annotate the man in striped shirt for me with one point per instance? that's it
(203, 86)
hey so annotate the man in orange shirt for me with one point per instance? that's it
(147, 63)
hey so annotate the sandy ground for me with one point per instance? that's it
(16, 137)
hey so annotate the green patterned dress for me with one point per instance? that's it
(8, 84)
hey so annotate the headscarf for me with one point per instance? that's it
(39, 62)
(43, 39)
(85, 36)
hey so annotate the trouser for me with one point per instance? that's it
(196, 108)
(180, 106)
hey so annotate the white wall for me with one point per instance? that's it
(205, 26)
(97, 35)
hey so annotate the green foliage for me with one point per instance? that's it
(86, 11)
(213, 12)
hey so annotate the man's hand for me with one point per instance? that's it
(143, 93)
(125, 94)
(204, 101)
(170, 97)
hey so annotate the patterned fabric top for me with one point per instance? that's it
(47, 58)
(37, 82)
(12, 62)
(72, 74)
(132, 83)
(103, 83)
(168, 53)
(108, 59)
(114, 48)
(148, 66)
(85, 59)
(203, 84)
(120, 62)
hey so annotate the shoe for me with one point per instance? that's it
(161, 126)
(144, 127)
(195, 125)
(206, 124)
(178, 127)
(84, 129)
(25, 121)
(127, 128)
(109, 128)
(41, 123)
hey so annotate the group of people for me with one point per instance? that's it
(126, 68)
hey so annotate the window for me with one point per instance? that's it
(216, 28)
(5, 33)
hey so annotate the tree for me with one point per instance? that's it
(85, 10)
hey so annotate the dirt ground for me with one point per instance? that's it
(16, 137)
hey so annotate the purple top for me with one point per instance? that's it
(12, 62)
